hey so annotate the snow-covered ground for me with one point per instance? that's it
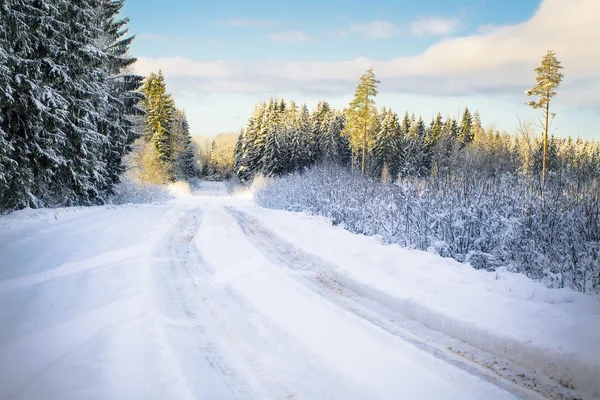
(210, 297)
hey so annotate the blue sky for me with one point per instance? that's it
(433, 55)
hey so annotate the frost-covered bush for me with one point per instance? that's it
(489, 221)
(131, 190)
(180, 188)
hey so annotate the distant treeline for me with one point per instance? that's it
(283, 137)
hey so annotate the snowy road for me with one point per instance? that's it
(194, 300)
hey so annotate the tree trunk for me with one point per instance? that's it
(364, 153)
(544, 162)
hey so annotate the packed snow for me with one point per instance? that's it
(208, 296)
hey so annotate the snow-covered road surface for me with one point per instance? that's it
(195, 299)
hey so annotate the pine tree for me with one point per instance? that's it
(362, 115)
(160, 110)
(548, 79)
(465, 132)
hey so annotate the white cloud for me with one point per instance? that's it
(183, 67)
(288, 37)
(378, 29)
(434, 26)
(253, 23)
(496, 63)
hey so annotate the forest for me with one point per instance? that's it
(448, 186)
(77, 127)
(71, 110)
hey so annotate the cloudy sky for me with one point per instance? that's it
(221, 57)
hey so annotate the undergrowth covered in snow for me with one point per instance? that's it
(131, 190)
(490, 222)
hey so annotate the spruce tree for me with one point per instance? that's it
(388, 145)
(466, 128)
(321, 121)
(248, 163)
(33, 113)
(160, 110)
(406, 121)
(415, 154)
(477, 127)
(274, 161)
(123, 89)
(183, 155)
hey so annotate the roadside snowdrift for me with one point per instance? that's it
(554, 331)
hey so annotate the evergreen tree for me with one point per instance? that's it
(477, 127)
(123, 97)
(433, 137)
(5, 88)
(239, 152)
(362, 115)
(84, 177)
(304, 129)
(321, 125)
(548, 79)
(33, 112)
(275, 162)
(63, 131)
(465, 132)
(388, 145)
(406, 121)
(415, 154)
(183, 155)
(270, 119)
(248, 162)
(160, 111)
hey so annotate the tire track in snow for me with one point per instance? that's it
(322, 278)
(220, 307)
(192, 360)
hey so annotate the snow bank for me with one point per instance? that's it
(248, 192)
(180, 188)
(30, 216)
(554, 331)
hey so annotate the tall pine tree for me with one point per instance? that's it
(362, 116)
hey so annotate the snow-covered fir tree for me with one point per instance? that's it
(183, 155)
(388, 146)
(61, 130)
(466, 128)
(120, 124)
